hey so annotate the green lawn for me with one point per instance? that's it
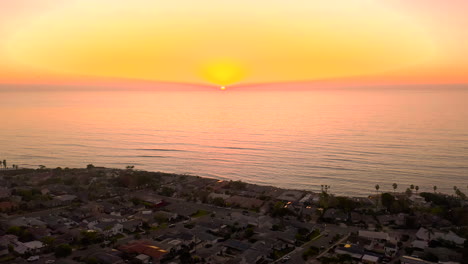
(200, 213)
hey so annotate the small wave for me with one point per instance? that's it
(150, 156)
(180, 150)
(36, 157)
(234, 148)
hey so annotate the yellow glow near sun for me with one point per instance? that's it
(223, 72)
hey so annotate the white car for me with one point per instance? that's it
(33, 258)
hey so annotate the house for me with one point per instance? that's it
(390, 249)
(34, 247)
(92, 208)
(429, 234)
(370, 259)
(165, 216)
(335, 215)
(257, 253)
(244, 202)
(39, 232)
(26, 221)
(306, 199)
(417, 200)
(218, 195)
(290, 196)
(203, 237)
(420, 244)
(107, 258)
(6, 240)
(132, 225)
(236, 245)
(3, 250)
(8, 206)
(5, 192)
(397, 219)
(182, 209)
(413, 260)
(154, 200)
(212, 254)
(354, 251)
(374, 235)
(109, 228)
(65, 199)
(143, 258)
(144, 247)
(253, 256)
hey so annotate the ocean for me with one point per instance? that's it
(350, 139)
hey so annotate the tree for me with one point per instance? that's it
(460, 194)
(377, 187)
(395, 186)
(417, 189)
(435, 188)
(49, 241)
(4, 164)
(63, 250)
(412, 186)
(219, 201)
(387, 200)
(249, 232)
(90, 166)
(408, 192)
(15, 230)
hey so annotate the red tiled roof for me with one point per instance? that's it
(144, 247)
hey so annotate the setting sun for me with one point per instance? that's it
(223, 72)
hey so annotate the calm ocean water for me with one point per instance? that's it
(349, 139)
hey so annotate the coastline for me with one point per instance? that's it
(191, 219)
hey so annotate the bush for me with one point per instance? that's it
(63, 250)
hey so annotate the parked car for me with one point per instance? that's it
(33, 258)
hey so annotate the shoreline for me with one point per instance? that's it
(224, 179)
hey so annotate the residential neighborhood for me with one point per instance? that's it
(109, 216)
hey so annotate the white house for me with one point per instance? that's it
(428, 235)
(109, 228)
(32, 247)
(374, 235)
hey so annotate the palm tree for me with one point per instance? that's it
(377, 187)
(412, 186)
(4, 164)
(417, 188)
(435, 188)
(395, 186)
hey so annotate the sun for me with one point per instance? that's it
(222, 88)
(223, 72)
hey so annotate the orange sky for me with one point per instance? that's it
(233, 42)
